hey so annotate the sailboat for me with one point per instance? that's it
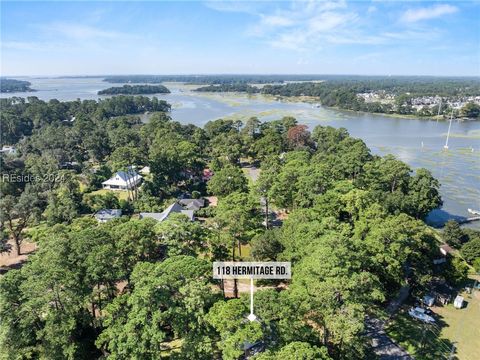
(448, 134)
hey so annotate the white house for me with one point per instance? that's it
(123, 181)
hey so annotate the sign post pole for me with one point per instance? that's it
(252, 316)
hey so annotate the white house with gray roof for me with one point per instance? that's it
(123, 180)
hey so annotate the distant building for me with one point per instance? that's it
(446, 250)
(105, 215)
(69, 165)
(175, 208)
(9, 150)
(192, 204)
(123, 181)
(145, 170)
(72, 119)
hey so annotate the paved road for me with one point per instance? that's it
(383, 346)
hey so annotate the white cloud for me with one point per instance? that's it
(426, 13)
(20, 45)
(63, 36)
(304, 25)
(35, 46)
(234, 6)
(276, 20)
(79, 31)
(311, 25)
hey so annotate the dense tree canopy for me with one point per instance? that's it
(348, 221)
(227, 180)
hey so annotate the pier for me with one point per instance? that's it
(469, 220)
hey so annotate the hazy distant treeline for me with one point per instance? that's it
(211, 79)
(387, 82)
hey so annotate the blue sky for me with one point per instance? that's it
(334, 37)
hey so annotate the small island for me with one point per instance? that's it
(12, 85)
(135, 90)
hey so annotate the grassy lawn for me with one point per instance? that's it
(121, 194)
(420, 340)
(463, 326)
(453, 326)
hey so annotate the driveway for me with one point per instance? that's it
(383, 346)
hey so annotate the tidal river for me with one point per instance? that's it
(417, 142)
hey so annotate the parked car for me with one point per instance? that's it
(421, 314)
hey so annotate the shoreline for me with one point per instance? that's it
(313, 100)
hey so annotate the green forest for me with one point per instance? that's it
(135, 90)
(352, 225)
(12, 85)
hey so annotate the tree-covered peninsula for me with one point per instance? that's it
(13, 85)
(135, 90)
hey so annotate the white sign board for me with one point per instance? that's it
(251, 270)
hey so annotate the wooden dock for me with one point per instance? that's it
(469, 220)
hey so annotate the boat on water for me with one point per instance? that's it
(474, 212)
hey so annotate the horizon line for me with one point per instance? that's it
(233, 74)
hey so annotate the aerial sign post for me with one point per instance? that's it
(251, 270)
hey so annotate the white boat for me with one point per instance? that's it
(474, 212)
